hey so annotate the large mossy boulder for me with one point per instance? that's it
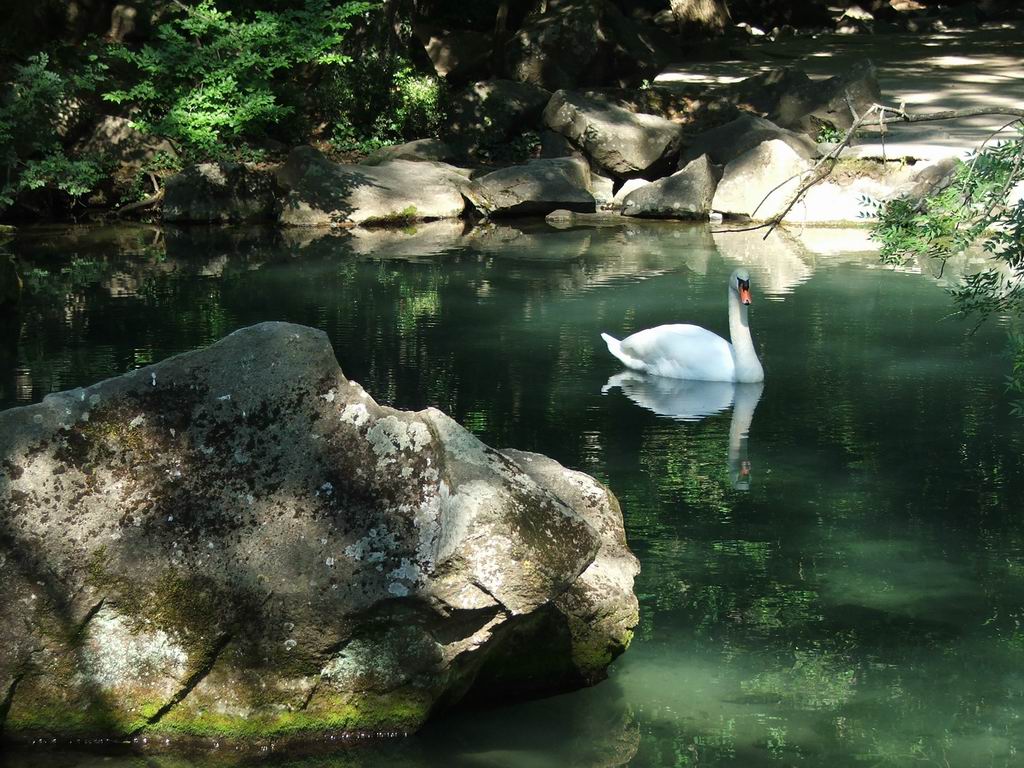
(220, 193)
(320, 192)
(537, 187)
(624, 144)
(238, 543)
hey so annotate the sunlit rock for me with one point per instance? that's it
(686, 194)
(536, 187)
(421, 149)
(726, 142)
(836, 101)
(239, 543)
(758, 184)
(852, 192)
(320, 192)
(624, 144)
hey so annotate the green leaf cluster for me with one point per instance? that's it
(976, 209)
(211, 79)
(380, 98)
(39, 100)
(973, 210)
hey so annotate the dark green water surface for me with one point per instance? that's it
(859, 604)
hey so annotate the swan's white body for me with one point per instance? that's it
(692, 352)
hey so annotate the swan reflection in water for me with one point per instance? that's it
(685, 400)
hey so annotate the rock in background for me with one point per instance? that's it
(686, 194)
(758, 183)
(240, 543)
(536, 187)
(570, 43)
(320, 192)
(493, 111)
(622, 143)
(220, 193)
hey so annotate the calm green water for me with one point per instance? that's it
(856, 599)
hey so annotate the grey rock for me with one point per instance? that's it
(421, 149)
(761, 93)
(806, 108)
(320, 192)
(118, 139)
(686, 194)
(627, 188)
(729, 141)
(559, 48)
(458, 55)
(602, 188)
(220, 193)
(623, 143)
(537, 187)
(491, 111)
(599, 608)
(585, 42)
(239, 542)
(556, 145)
(758, 183)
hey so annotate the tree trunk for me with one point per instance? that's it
(708, 16)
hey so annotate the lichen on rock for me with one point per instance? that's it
(239, 543)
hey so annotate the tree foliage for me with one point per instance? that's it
(39, 99)
(976, 209)
(211, 78)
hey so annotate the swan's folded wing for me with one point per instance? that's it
(683, 352)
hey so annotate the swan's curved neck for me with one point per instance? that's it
(748, 367)
(745, 399)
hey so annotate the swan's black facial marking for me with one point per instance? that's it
(743, 288)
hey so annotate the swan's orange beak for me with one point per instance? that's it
(745, 294)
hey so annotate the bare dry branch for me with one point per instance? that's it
(146, 203)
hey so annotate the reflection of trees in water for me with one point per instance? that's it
(769, 589)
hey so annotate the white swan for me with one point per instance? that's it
(691, 352)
